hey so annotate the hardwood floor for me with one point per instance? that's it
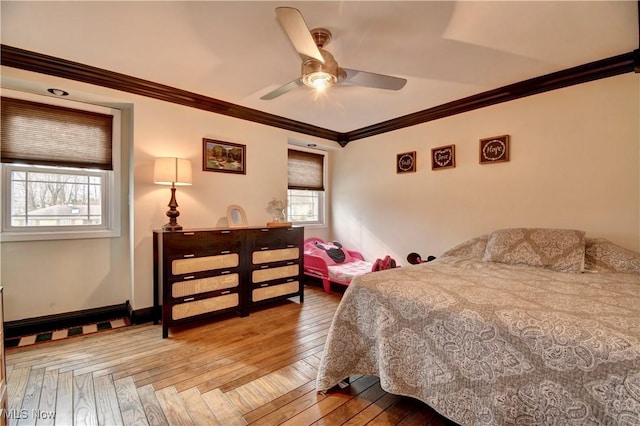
(257, 370)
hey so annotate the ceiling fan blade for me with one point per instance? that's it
(282, 89)
(369, 79)
(296, 28)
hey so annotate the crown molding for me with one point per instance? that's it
(45, 64)
(50, 65)
(604, 68)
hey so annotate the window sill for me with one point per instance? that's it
(311, 225)
(6, 237)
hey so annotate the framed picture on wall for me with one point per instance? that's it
(494, 150)
(443, 157)
(406, 162)
(225, 157)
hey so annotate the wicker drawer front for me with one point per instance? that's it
(268, 256)
(270, 292)
(186, 310)
(207, 263)
(269, 274)
(203, 285)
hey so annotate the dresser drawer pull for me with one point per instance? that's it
(190, 277)
(225, 272)
(291, 263)
(290, 280)
(225, 252)
(188, 299)
(265, 229)
(225, 232)
(264, 285)
(226, 292)
(264, 266)
(186, 234)
(189, 255)
(290, 245)
(264, 248)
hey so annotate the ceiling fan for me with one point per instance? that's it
(319, 69)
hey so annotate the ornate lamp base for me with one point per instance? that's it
(170, 227)
(172, 213)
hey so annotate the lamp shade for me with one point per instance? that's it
(172, 171)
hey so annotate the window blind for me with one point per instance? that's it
(306, 170)
(42, 134)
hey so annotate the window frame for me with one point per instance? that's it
(323, 195)
(111, 184)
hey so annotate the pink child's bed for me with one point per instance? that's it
(332, 263)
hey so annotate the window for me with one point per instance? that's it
(53, 197)
(305, 206)
(59, 168)
(306, 194)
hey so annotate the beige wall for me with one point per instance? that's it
(163, 129)
(51, 277)
(56, 276)
(574, 164)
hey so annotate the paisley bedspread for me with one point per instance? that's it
(486, 343)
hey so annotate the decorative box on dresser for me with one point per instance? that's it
(203, 273)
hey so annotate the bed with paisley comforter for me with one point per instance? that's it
(521, 326)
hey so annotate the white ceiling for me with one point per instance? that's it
(237, 51)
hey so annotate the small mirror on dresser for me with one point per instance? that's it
(236, 217)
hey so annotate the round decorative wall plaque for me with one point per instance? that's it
(406, 162)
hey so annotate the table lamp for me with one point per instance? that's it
(174, 172)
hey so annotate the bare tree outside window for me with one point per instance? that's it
(55, 198)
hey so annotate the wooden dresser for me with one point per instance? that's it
(275, 263)
(203, 273)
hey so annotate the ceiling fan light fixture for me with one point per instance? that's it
(317, 75)
(319, 68)
(319, 80)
